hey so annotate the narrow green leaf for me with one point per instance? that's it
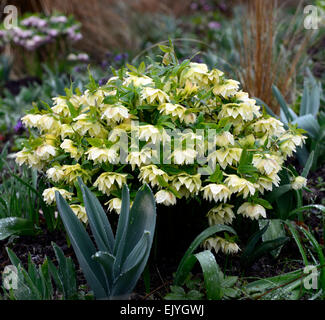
(211, 272)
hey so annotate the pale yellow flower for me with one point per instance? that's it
(55, 173)
(151, 173)
(225, 156)
(48, 124)
(152, 95)
(137, 81)
(115, 113)
(227, 89)
(26, 157)
(45, 151)
(221, 214)
(253, 211)
(224, 139)
(217, 243)
(114, 204)
(245, 110)
(68, 146)
(240, 185)
(186, 156)
(66, 131)
(80, 212)
(100, 155)
(61, 107)
(267, 163)
(73, 171)
(165, 197)
(108, 181)
(290, 142)
(49, 195)
(214, 76)
(196, 73)
(31, 120)
(187, 184)
(216, 192)
(83, 125)
(139, 158)
(271, 126)
(149, 132)
(298, 183)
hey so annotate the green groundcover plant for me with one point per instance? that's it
(185, 130)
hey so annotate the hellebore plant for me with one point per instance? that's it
(115, 133)
(112, 265)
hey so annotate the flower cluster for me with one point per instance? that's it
(35, 30)
(222, 146)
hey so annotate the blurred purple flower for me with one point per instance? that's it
(194, 6)
(214, 25)
(59, 19)
(19, 126)
(102, 81)
(206, 7)
(120, 57)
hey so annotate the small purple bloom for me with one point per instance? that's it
(214, 25)
(102, 81)
(19, 126)
(194, 6)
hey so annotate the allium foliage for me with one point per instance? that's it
(185, 130)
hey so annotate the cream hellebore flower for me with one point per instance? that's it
(138, 158)
(298, 183)
(152, 95)
(186, 156)
(80, 212)
(225, 156)
(61, 107)
(266, 183)
(66, 131)
(26, 157)
(240, 185)
(115, 113)
(45, 151)
(137, 81)
(55, 173)
(221, 214)
(108, 181)
(245, 110)
(224, 139)
(100, 155)
(151, 173)
(196, 73)
(227, 89)
(73, 171)
(83, 125)
(187, 184)
(49, 195)
(216, 192)
(68, 146)
(271, 126)
(214, 76)
(189, 89)
(31, 120)
(149, 132)
(290, 142)
(218, 243)
(48, 124)
(92, 98)
(253, 211)
(267, 163)
(114, 204)
(165, 197)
